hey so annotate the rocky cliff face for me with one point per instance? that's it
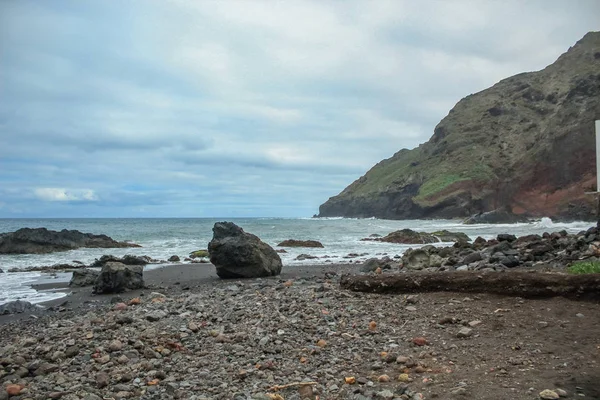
(526, 144)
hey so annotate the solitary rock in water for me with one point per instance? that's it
(84, 277)
(496, 217)
(17, 307)
(42, 240)
(408, 236)
(237, 254)
(117, 277)
(300, 243)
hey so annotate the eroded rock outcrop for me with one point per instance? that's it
(117, 277)
(525, 145)
(408, 236)
(84, 277)
(300, 243)
(238, 254)
(17, 307)
(42, 240)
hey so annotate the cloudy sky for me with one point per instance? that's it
(241, 108)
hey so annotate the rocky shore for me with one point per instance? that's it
(302, 335)
(241, 339)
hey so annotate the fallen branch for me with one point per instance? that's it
(279, 387)
(523, 284)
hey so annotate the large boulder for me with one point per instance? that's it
(42, 240)
(496, 217)
(117, 277)
(237, 254)
(300, 243)
(17, 307)
(84, 277)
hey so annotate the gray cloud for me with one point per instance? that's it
(241, 108)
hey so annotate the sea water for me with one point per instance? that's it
(161, 238)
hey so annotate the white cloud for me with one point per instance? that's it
(61, 194)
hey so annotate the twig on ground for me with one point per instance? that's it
(279, 387)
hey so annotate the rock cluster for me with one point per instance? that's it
(408, 236)
(42, 240)
(506, 251)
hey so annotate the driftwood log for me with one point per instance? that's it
(523, 284)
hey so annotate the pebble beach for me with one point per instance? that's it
(190, 335)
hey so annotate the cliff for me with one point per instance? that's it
(526, 144)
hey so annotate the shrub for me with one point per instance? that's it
(585, 267)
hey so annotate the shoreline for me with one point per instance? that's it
(169, 279)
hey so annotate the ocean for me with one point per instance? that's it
(161, 238)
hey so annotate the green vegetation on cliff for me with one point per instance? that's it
(525, 144)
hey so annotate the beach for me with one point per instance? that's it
(191, 335)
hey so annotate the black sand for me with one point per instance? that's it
(169, 279)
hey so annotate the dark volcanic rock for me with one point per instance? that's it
(372, 264)
(17, 307)
(42, 240)
(127, 259)
(496, 217)
(84, 277)
(174, 258)
(117, 277)
(300, 243)
(408, 236)
(237, 254)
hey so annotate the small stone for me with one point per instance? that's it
(412, 299)
(263, 341)
(411, 308)
(420, 341)
(120, 307)
(155, 315)
(115, 345)
(549, 395)
(464, 333)
(579, 315)
(403, 378)
(475, 323)
(13, 390)
(102, 380)
(193, 327)
(385, 394)
(461, 391)
(383, 378)
(419, 369)
(321, 343)
(402, 359)
(561, 392)
(305, 392)
(103, 360)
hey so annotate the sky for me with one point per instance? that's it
(250, 108)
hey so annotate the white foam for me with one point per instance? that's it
(17, 286)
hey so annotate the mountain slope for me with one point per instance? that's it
(526, 144)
